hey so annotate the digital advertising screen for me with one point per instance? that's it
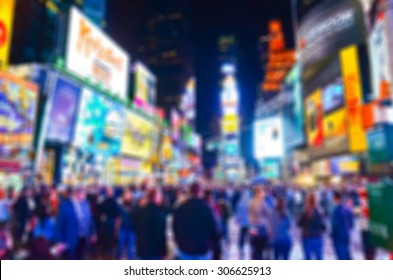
(333, 96)
(100, 124)
(90, 53)
(138, 139)
(314, 118)
(18, 107)
(269, 138)
(63, 111)
(270, 169)
(145, 85)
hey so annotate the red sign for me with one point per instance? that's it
(3, 34)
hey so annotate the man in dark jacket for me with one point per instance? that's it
(150, 228)
(342, 223)
(195, 227)
(75, 225)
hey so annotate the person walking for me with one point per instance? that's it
(217, 248)
(75, 226)
(260, 228)
(195, 227)
(243, 221)
(150, 228)
(109, 212)
(342, 224)
(126, 227)
(281, 226)
(312, 229)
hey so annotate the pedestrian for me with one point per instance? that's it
(368, 247)
(75, 227)
(226, 212)
(6, 242)
(109, 212)
(259, 217)
(126, 227)
(217, 248)
(312, 229)
(281, 226)
(243, 220)
(342, 224)
(43, 231)
(150, 228)
(195, 227)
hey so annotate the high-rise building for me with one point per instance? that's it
(40, 27)
(166, 48)
(227, 49)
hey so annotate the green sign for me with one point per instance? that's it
(378, 139)
(381, 213)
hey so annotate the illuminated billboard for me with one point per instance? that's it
(6, 24)
(140, 137)
(314, 119)
(145, 85)
(18, 106)
(100, 124)
(91, 54)
(269, 138)
(230, 124)
(63, 104)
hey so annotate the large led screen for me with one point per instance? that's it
(268, 138)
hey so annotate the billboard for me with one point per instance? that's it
(269, 138)
(139, 137)
(350, 69)
(6, 22)
(335, 129)
(145, 85)
(64, 102)
(176, 122)
(270, 169)
(230, 124)
(294, 109)
(333, 95)
(188, 100)
(314, 119)
(92, 54)
(18, 106)
(100, 124)
(328, 27)
(381, 59)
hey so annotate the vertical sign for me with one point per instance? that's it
(6, 19)
(353, 96)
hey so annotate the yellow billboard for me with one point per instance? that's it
(354, 98)
(6, 20)
(139, 134)
(335, 124)
(230, 124)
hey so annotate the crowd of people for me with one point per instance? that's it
(133, 223)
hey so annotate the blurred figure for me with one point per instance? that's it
(126, 227)
(44, 231)
(6, 242)
(5, 207)
(150, 228)
(281, 225)
(226, 212)
(243, 221)
(109, 212)
(259, 217)
(195, 227)
(369, 249)
(23, 210)
(75, 225)
(312, 227)
(342, 224)
(217, 250)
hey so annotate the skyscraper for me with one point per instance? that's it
(166, 48)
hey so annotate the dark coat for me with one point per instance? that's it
(150, 229)
(195, 227)
(67, 228)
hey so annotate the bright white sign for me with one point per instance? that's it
(268, 138)
(92, 54)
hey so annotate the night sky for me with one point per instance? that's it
(207, 19)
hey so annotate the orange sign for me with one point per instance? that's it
(6, 20)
